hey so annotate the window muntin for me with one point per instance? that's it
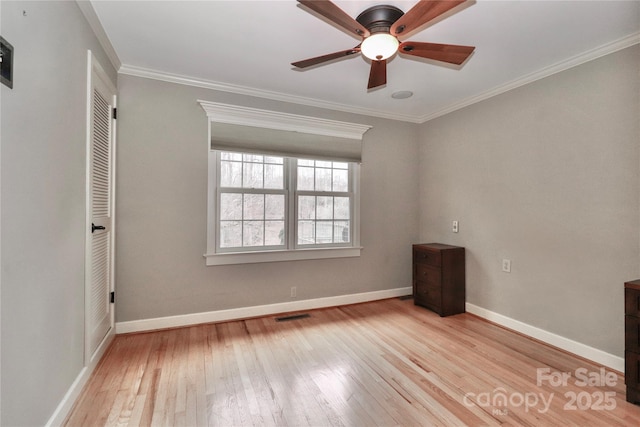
(323, 203)
(254, 213)
(249, 219)
(317, 175)
(239, 170)
(251, 201)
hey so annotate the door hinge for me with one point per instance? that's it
(112, 297)
(115, 113)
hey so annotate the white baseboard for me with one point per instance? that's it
(255, 311)
(579, 349)
(69, 399)
(65, 406)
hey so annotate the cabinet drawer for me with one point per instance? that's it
(428, 274)
(632, 333)
(428, 294)
(632, 302)
(424, 256)
(631, 371)
(631, 377)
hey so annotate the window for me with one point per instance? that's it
(281, 186)
(323, 203)
(251, 202)
(281, 204)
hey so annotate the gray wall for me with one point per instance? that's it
(547, 175)
(43, 206)
(162, 206)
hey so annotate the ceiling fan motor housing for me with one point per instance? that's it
(379, 18)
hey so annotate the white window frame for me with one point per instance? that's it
(218, 256)
(244, 190)
(353, 171)
(234, 114)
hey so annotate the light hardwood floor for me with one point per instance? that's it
(383, 363)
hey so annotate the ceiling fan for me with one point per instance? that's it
(380, 27)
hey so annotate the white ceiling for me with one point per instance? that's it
(247, 47)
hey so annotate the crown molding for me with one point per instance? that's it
(94, 22)
(259, 93)
(248, 116)
(571, 62)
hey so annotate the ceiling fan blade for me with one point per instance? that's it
(450, 53)
(336, 15)
(324, 58)
(423, 12)
(378, 74)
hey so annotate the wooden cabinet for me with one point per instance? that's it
(439, 278)
(632, 340)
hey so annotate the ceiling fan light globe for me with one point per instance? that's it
(379, 46)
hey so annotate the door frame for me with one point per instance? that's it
(95, 71)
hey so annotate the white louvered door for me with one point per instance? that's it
(100, 239)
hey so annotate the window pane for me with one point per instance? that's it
(341, 232)
(274, 176)
(252, 175)
(225, 155)
(324, 208)
(274, 160)
(340, 180)
(254, 202)
(230, 174)
(230, 234)
(252, 158)
(305, 178)
(253, 233)
(230, 206)
(323, 179)
(306, 207)
(274, 206)
(306, 232)
(251, 171)
(341, 208)
(324, 231)
(253, 206)
(274, 233)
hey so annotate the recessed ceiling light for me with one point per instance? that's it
(402, 94)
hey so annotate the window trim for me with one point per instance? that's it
(247, 116)
(227, 258)
(294, 251)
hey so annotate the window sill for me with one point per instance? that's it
(277, 256)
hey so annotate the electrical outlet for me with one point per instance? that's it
(455, 226)
(506, 265)
(293, 292)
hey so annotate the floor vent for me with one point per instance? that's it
(404, 297)
(292, 317)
